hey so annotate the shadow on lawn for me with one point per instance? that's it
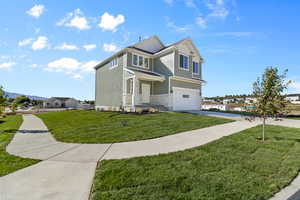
(290, 139)
(33, 131)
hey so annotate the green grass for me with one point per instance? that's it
(107, 127)
(10, 163)
(234, 167)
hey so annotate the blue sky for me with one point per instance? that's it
(48, 48)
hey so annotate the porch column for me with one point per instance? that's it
(133, 92)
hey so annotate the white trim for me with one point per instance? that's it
(143, 70)
(188, 62)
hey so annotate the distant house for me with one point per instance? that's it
(213, 106)
(228, 101)
(61, 102)
(293, 98)
(250, 100)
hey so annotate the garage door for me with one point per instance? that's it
(186, 99)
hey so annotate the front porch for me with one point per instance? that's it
(139, 90)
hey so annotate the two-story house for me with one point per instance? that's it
(150, 73)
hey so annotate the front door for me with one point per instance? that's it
(145, 93)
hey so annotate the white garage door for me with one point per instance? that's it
(186, 99)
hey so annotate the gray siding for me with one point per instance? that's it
(161, 87)
(109, 85)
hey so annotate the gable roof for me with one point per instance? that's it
(144, 47)
(152, 44)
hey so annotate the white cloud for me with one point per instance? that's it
(7, 65)
(218, 9)
(34, 66)
(65, 46)
(25, 42)
(40, 43)
(36, 11)
(295, 86)
(190, 3)
(201, 22)
(110, 23)
(109, 47)
(170, 2)
(75, 19)
(89, 47)
(66, 65)
(172, 25)
(77, 76)
(89, 66)
(235, 34)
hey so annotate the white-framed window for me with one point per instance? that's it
(195, 67)
(114, 63)
(146, 62)
(184, 62)
(140, 61)
(134, 60)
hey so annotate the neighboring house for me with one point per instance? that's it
(61, 102)
(250, 100)
(228, 101)
(293, 98)
(223, 107)
(150, 73)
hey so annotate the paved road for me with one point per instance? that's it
(66, 170)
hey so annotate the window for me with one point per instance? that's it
(135, 60)
(185, 96)
(195, 67)
(146, 62)
(184, 62)
(114, 63)
(141, 61)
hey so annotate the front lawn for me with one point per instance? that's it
(234, 167)
(10, 163)
(107, 127)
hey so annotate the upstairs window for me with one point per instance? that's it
(184, 62)
(135, 60)
(195, 67)
(114, 63)
(140, 61)
(146, 62)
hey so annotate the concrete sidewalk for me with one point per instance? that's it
(67, 170)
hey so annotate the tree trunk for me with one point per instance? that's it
(263, 133)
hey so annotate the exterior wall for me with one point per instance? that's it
(183, 48)
(108, 94)
(163, 65)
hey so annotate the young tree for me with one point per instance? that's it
(269, 93)
(2, 100)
